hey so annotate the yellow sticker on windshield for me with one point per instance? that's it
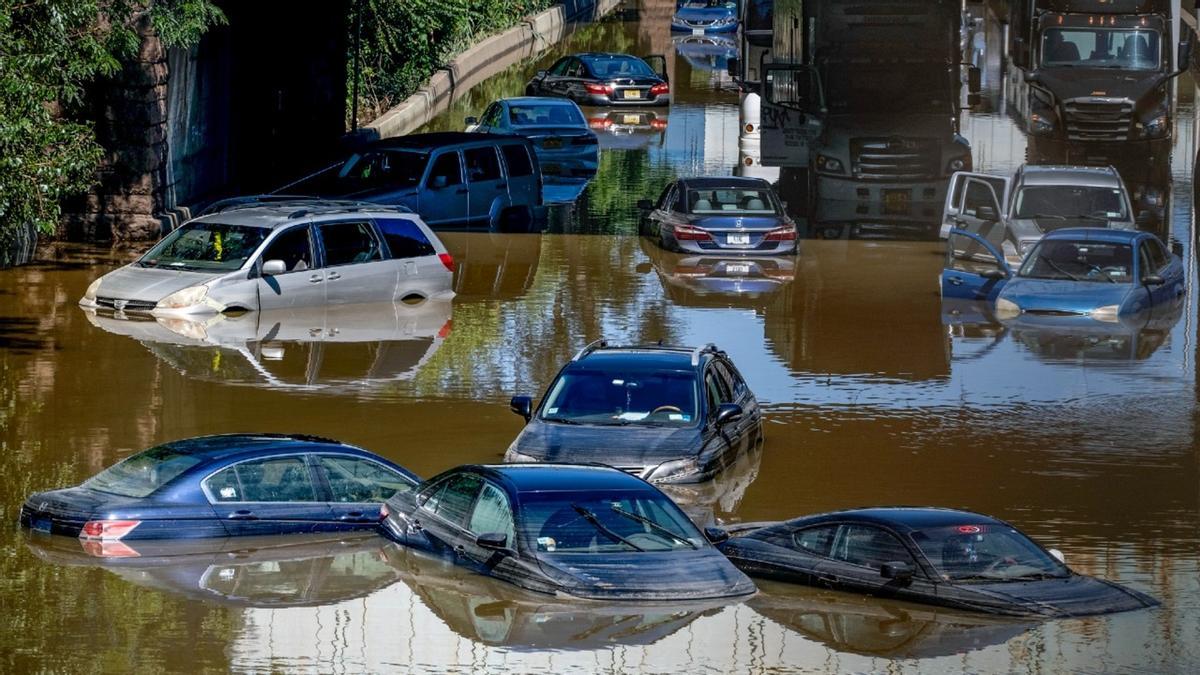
(217, 245)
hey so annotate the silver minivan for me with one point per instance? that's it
(280, 255)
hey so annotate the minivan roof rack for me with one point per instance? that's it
(698, 351)
(591, 347)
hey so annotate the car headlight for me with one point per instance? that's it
(188, 297)
(959, 164)
(829, 164)
(1007, 309)
(89, 295)
(1107, 313)
(1041, 124)
(1156, 127)
(674, 470)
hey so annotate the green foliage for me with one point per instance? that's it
(404, 41)
(50, 51)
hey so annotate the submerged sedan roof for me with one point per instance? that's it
(910, 517)
(561, 477)
(226, 445)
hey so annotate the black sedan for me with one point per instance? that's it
(583, 531)
(719, 215)
(597, 79)
(934, 556)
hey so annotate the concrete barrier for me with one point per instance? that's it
(534, 35)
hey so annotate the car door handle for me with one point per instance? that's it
(333, 276)
(416, 526)
(243, 515)
(315, 279)
(954, 281)
(353, 517)
(459, 550)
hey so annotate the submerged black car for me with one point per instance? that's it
(598, 79)
(665, 414)
(936, 556)
(584, 531)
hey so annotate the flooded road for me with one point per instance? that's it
(875, 393)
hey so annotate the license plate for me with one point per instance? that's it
(737, 239)
(896, 202)
(552, 143)
(42, 525)
(633, 93)
(632, 119)
(737, 269)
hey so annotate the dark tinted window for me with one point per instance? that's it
(141, 474)
(405, 239)
(447, 166)
(382, 169)
(869, 547)
(619, 66)
(603, 522)
(293, 248)
(517, 158)
(279, 479)
(727, 378)
(349, 243)
(815, 540)
(1156, 252)
(482, 164)
(985, 551)
(353, 479)
(452, 498)
(492, 513)
(560, 68)
(978, 195)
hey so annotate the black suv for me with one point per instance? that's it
(666, 414)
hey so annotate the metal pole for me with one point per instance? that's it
(357, 43)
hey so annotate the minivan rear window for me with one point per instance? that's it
(141, 475)
(405, 238)
(518, 161)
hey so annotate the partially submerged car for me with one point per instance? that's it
(727, 215)
(1013, 213)
(280, 254)
(665, 414)
(1095, 272)
(583, 531)
(566, 147)
(227, 485)
(934, 556)
(603, 79)
(706, 16)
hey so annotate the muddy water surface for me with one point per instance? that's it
(875, 394)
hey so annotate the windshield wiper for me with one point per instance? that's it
(560, 420)
(591, 518)
(1055, 266)
(1049, 215)
(659, 528)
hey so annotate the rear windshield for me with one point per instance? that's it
(544, 114)
(144, 473)
(618, 66)
(750, 202)
(204, 247)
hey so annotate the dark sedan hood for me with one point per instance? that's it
(733, 222)
(614, 445)
(1076, 595)
(1068, 83)
(678, 575)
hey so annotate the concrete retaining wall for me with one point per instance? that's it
(484, 59)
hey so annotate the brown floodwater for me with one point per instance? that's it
(874, 394)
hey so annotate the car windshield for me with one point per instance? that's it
(649, 397)
(545, 114)
(1103, 262)
(1087, 47)
(205, 246)
(1055, 206)
(612, 521)
(142, 474)
(988, 552)
(618, 66)
(731, 202)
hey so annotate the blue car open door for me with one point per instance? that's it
(974, 268)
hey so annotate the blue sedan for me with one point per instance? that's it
(230, 485)
(706, 16)
(566, 147)
(1095, 272)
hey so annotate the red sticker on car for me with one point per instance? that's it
(970, 529)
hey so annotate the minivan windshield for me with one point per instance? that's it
(205, 247)
(142, 474)
(1098, 261)
(1067, 203)
(605, 522)
(648, 397)
(986, 552)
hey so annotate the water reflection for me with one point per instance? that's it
(337, 348)
(706, 52)
(626, 129)
(716, 281)
(716, 501)
(493, 266)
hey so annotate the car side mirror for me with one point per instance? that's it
(438, 182)
(729, 412)
(272, 267)
(1057, 555)
(1153, 280)
(987, 214)
(496, 541)
(471, 120)
(716, 535)
(993, 274)
(523, 406)
(645, 205)
(898, 571)
(734, 67)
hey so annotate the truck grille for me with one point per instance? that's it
(1092, 120)
(895, 158)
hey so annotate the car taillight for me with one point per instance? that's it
(658, 124)
(689, 233)
(782, 234)
(383, 511)
(598, 88)
(599, 122)
(108, 549)
(445, 329)
(660, 88)
(447, 260)
(108, 529)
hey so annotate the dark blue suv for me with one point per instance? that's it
(665, 414)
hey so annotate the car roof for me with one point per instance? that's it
(605, 55)
(548, 477)
(273, 212)
(1087, 176)
(902, 517)
(545, 100)
(438, 139)
(649, 357)
(224, 446)
(1096, 234)
(710, 182)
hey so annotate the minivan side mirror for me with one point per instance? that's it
(496, 541)
(523, 406)
(272, 267)
(898, 571)
(645, 205)
(1153, 280)
(729, 412)
(716, 535)
(987, 214)
(438, 182)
